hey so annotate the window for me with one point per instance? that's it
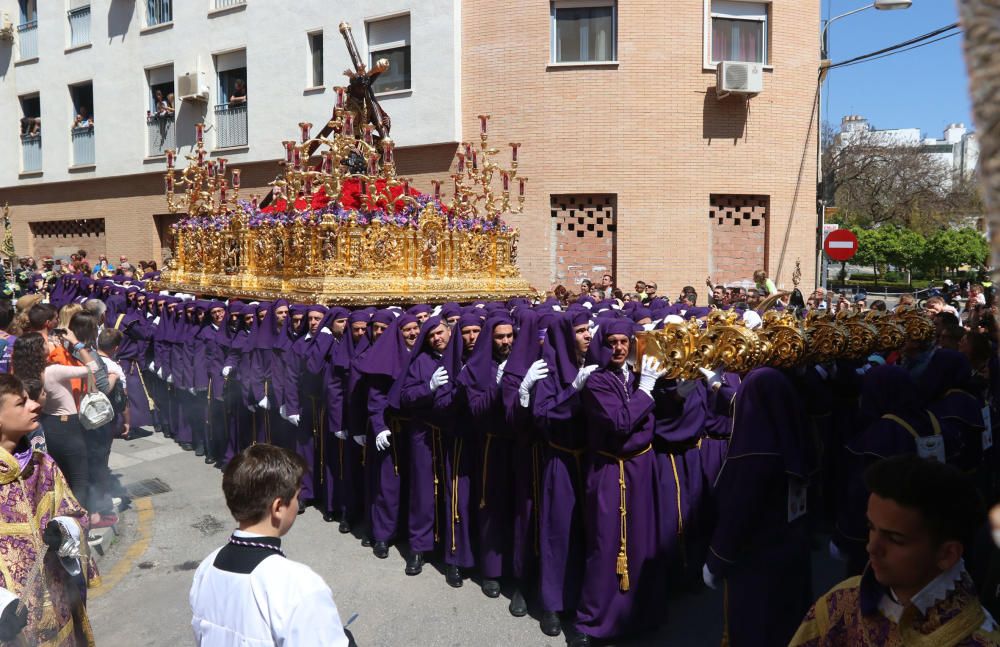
(82, 126)
(583, 32)
(316, 59)
(31, 134)
(28, 11)
(159, 12)
(160, 113)
(390, 39)
(739, 31)
(79, 23)
(231, 109)
(27, 30)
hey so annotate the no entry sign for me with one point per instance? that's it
(840, 245)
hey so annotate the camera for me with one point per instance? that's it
(59, 331)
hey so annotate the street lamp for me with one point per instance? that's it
(824, 64)
(881, 5)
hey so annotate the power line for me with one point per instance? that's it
(898, 46)
(900, 51)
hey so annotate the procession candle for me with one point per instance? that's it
(199, 133)
(364, 186)
(505, 177)
(222, 190)
(236, 178)
(170, 158)
(288, 150)
(475, 160)
(305, 126)
(201, 156)
(349, 124)
(437, 189)
(461, 163)
(169, 178)
(372, 165)
(468, 150)
(387, 150)
(309, 185)
(328, 163)
(297, 158)
(520, 188)
(340, 95)
(513, 151)
(368, 135)
(482, 123)
(222, 165)
(211, 169)
(406, 187)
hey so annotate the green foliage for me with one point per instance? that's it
(909, 251)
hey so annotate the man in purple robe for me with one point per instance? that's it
(383, 365)
(424, 376)
(558, 413)
(481, 382)
(621, 591)
(761, 544)
(211, 381)
(460, 444)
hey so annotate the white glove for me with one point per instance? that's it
(711, 581)
(151, 366)
(382, 440)
(159, 373)
(864, 369)
(539, 370)
(650, 372)
(439, 378)
(226, 370)
(339, 434)
(282, 411)
(582, 376)
(360, 440)
(250, 407)
(823, 373)
(191, 391)
(170, 379)
(712, 378)
(263, 404)
(294, 419)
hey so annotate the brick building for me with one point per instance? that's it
(635, 166)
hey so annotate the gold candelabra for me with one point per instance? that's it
(207, 192)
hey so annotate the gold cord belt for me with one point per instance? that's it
(577, 455)
(621, 566)
(455, 519)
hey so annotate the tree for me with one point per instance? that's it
(874, 178)
(904, 248)
(949, 249)
(873, 248)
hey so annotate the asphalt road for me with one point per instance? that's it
(143, 601)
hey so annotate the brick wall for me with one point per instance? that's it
(584, 237)
(738, 232)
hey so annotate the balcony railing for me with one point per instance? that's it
(31, 153)
(83, 146)
(225, 4)
(27, 40)
(230, 125)
(79, 26)
(161, 134)
(159, 12)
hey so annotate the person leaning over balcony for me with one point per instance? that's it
(83, 118)
(239, 95)
(764, 285)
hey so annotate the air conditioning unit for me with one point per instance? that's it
(192, 87)
(6, 27)
(736, 77)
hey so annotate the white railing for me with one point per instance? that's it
(27, 40)
(31, 153)
(225, 4)
(159, 12)
(79, 26)
(230, 125)
(161, 134)
(83, 146)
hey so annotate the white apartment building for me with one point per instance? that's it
(96, 90)
(957, 150)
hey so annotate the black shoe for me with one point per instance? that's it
(453, 576)
(186, 446)
(210, 460)
(579, 640)
(344, 527)
(518, 607)
(200, 451)
(381, 549)
(550, 624)
(367, 541)
(328, 517)
(491, 588)
(415, 565)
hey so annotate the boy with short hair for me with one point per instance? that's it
(915, 590)
(248, 592)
